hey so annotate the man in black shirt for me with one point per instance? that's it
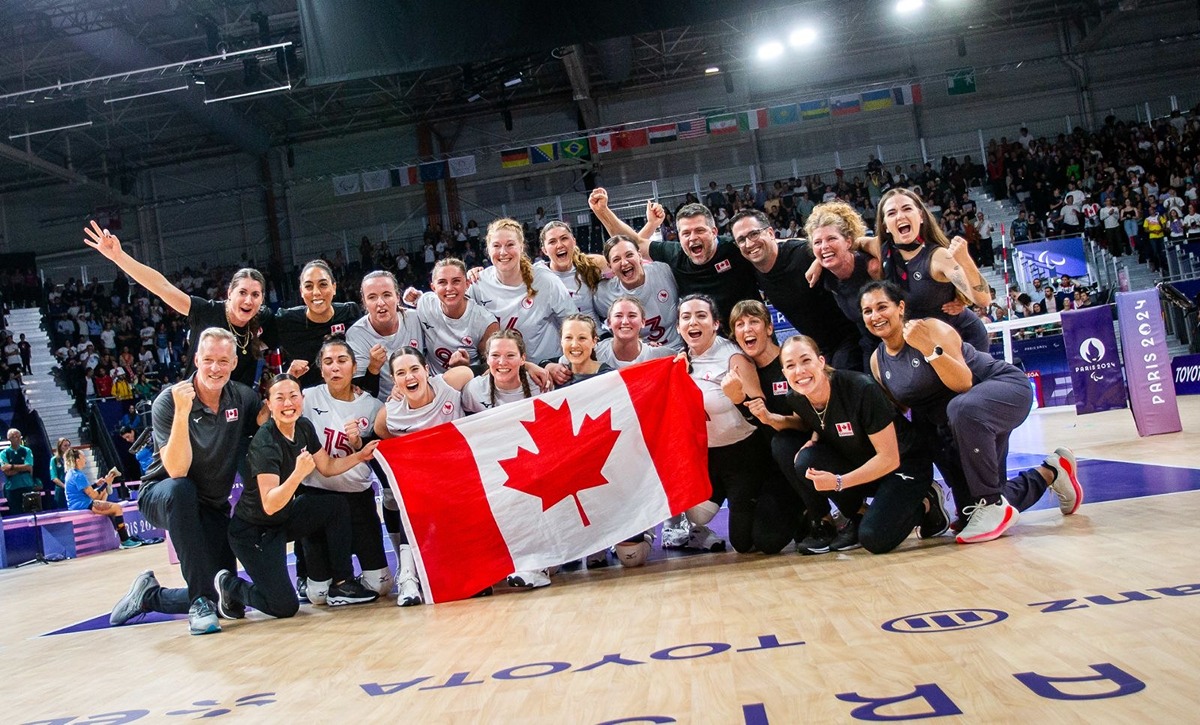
(779, 268)
(198, 425)
(701, 263)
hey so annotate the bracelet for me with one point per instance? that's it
(837, 483)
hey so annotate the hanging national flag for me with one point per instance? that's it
(376, 180)
(631, 139)
(601, 143)
(514, 157)
(908, 95)
(404, 175)
(461, 166)
(750, 120)
(810, 110)
(662, 134)
(543, 153)
(695, 128)
(348, 184)
(960, 81)
(845, 105)
(877, 100)
(550, 479)
(783, 115)
(576, 148)
(724, 123)
(432, 172)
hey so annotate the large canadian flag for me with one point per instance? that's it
(550, 479)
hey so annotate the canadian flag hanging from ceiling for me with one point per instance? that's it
(550, 479)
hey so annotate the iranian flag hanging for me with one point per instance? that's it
(551, 479)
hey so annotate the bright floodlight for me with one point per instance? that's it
(712, 69)
(770, 50)
(908, 6)
(802, 37)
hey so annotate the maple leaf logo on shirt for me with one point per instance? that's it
(552, 476)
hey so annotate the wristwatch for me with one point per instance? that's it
(937, 352)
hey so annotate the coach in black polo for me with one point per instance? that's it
(198, 426)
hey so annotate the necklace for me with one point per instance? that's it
(820, 413)
(243, 340)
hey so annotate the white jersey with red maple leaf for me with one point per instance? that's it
(361, 337)
(445, 407)
(537, 318)
(444, 334)
(329, 416)
(658, 295)
(726, 425)
(580, 292)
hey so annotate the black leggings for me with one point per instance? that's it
(897, 498)
(366, 531)
(321, 523)
(762, 512)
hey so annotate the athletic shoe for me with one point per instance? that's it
(317, 592)
(675, 537)
(130, 543)
(598, 560)
(134, 601)
(1066, 480)
(409, 593)
(202, 617)
(529, 579)
(482, 593)
(935, 522)
(229, 604)
(987, 521)
(350, 591)
(820, 535)
(846, 538)
(702, 538)
(302, 588)
(149, 540)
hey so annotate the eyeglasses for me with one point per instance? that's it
(750, 236)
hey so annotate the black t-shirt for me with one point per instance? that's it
(272, 452)
(812, 310)
(211, 313)
(728, 278)
(858, 408)
(301, 338)
(216, 436)
(775, 389)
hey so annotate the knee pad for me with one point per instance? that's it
(632, 554)
(703, 512)
(318, 591)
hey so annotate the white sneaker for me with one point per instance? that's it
(702, 538)
(1066, 480)
(529, 579)
(409, 593)
(318, 592)
(987, 522)
(675, 532)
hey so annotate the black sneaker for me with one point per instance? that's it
(847, 537)
(133, 603)
(229, 604)
(820, 534)
(350, 591)
(302, 588)
(202, 617)
(935, 522)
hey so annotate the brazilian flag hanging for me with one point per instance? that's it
(576, 148)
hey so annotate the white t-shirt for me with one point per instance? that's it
(658, 295)
(537, 318)
(726, 425)
(444, 335)
(445, 407)
(580, 292)
(604, 353)
(329, 416)
(362, 337)
(477, 395)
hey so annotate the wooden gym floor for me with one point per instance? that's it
(1085, 619)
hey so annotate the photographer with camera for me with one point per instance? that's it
(17, 463)
(84, 496)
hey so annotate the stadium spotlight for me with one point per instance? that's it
(711, 70)
(802, 37)
(770, 50)
(905, 7)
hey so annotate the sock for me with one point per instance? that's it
(406, 566)
(118, 523)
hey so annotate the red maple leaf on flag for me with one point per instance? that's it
(564, 462)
